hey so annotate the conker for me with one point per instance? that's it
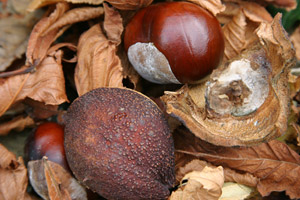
(47, 140)
(174, 42)
(119, 145)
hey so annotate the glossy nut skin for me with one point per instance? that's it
(189, 36)
(47, 140)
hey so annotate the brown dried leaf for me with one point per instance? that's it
(295, 38)
(39, 110)
(275, 164)
(38, 85)
(46, 31)
(14, 34)
(255, 12)
(35, 4)
(229, 174)
(214, 6)
(98, 65)
(129, 4)
(277, 42)
(241, 19)
(51, 181)
(13, 176)
(287, 4)
(75, 15)
(235, 191)
(55, 191)
(205, 184)
(112, 24)
(235, 35)
(18, 124)
(252, 10)
(38, 43)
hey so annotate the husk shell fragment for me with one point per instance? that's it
(219, 121)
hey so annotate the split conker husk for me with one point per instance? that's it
(174, 42)
(119, 145)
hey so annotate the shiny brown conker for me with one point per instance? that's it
(47, 140)
(174, 42)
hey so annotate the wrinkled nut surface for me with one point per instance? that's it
(246, 100)
(118, 144)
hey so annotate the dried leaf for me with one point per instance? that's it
(276, 41)
(240, 178)
(35, 4)
(287, 4)
(235, 35)
(13, 176)
(229, 174)
(18, 124)
(51, 181)
(129, 4)
(275, 164)
(98, 65)
(38, 85)
(255, 12)
(241, 20)
(38, 43)
(46, 31)
(235, 191)
(55, 191)
(75, 15)
(14, 34)
(205, 184)
(214, 6)
(113, 24)
(295, 38)
(39, 110)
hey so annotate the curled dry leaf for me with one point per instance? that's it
(229, 174)
(245, 101)
(241, 20)
(235, 191)
(46, 31)
(35, 4)
(17, 123)
(287, 4)
(13, 176)
(51, 181)
(14, 35)
(98, 65)
(235, 35)
(39, 110)
(38, 86)
(129, 4)
(205, 184)
(214, 6)
(253, 11)
(275, 164)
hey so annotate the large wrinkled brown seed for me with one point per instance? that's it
(118, 144)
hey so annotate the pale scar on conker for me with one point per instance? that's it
(119, 145)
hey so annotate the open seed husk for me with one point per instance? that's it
(245, 101)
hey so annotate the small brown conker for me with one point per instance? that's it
(174, 42)
(119, 145)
